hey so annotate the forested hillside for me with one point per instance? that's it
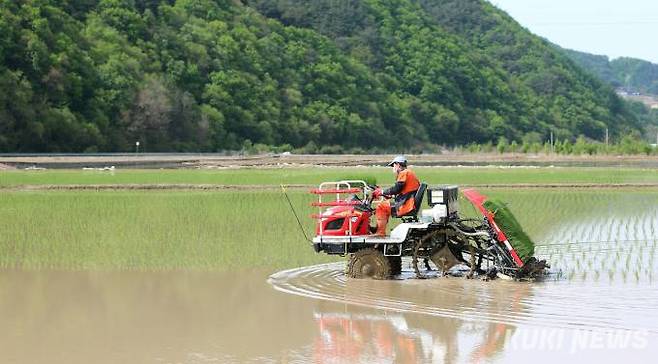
(571, 99)
(632, 74)
(211, 75)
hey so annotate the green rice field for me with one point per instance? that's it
(151, 230)
(219, 230)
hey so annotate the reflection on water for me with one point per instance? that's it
(357, 337)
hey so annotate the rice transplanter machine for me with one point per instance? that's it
(437, 234)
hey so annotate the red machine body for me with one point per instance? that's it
(341, 215)
(343, 220)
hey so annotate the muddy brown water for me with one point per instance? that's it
(315, 314)
(599, 304)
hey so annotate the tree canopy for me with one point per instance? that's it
(212, 75)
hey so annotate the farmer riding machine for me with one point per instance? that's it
(438, 234)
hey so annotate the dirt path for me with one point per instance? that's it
(219, 187)
(211, 161)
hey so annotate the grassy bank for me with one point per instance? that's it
(312, 176)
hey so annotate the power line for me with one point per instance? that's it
(594, 24)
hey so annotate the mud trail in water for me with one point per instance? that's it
(555, 302)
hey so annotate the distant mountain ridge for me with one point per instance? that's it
(631, 74)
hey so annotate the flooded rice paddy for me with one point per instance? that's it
(600, 303)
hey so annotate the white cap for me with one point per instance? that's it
(399, 159)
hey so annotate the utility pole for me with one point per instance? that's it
(552, 148)
(607, 139)
(136, 147)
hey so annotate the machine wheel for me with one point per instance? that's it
(471, 225)
(369, 263)
(396, 265)
(424, 242)
(414, 260)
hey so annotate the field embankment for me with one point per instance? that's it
(246, 178)
(219, 161)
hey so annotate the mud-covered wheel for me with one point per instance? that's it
(369, 263)
(396, 265)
